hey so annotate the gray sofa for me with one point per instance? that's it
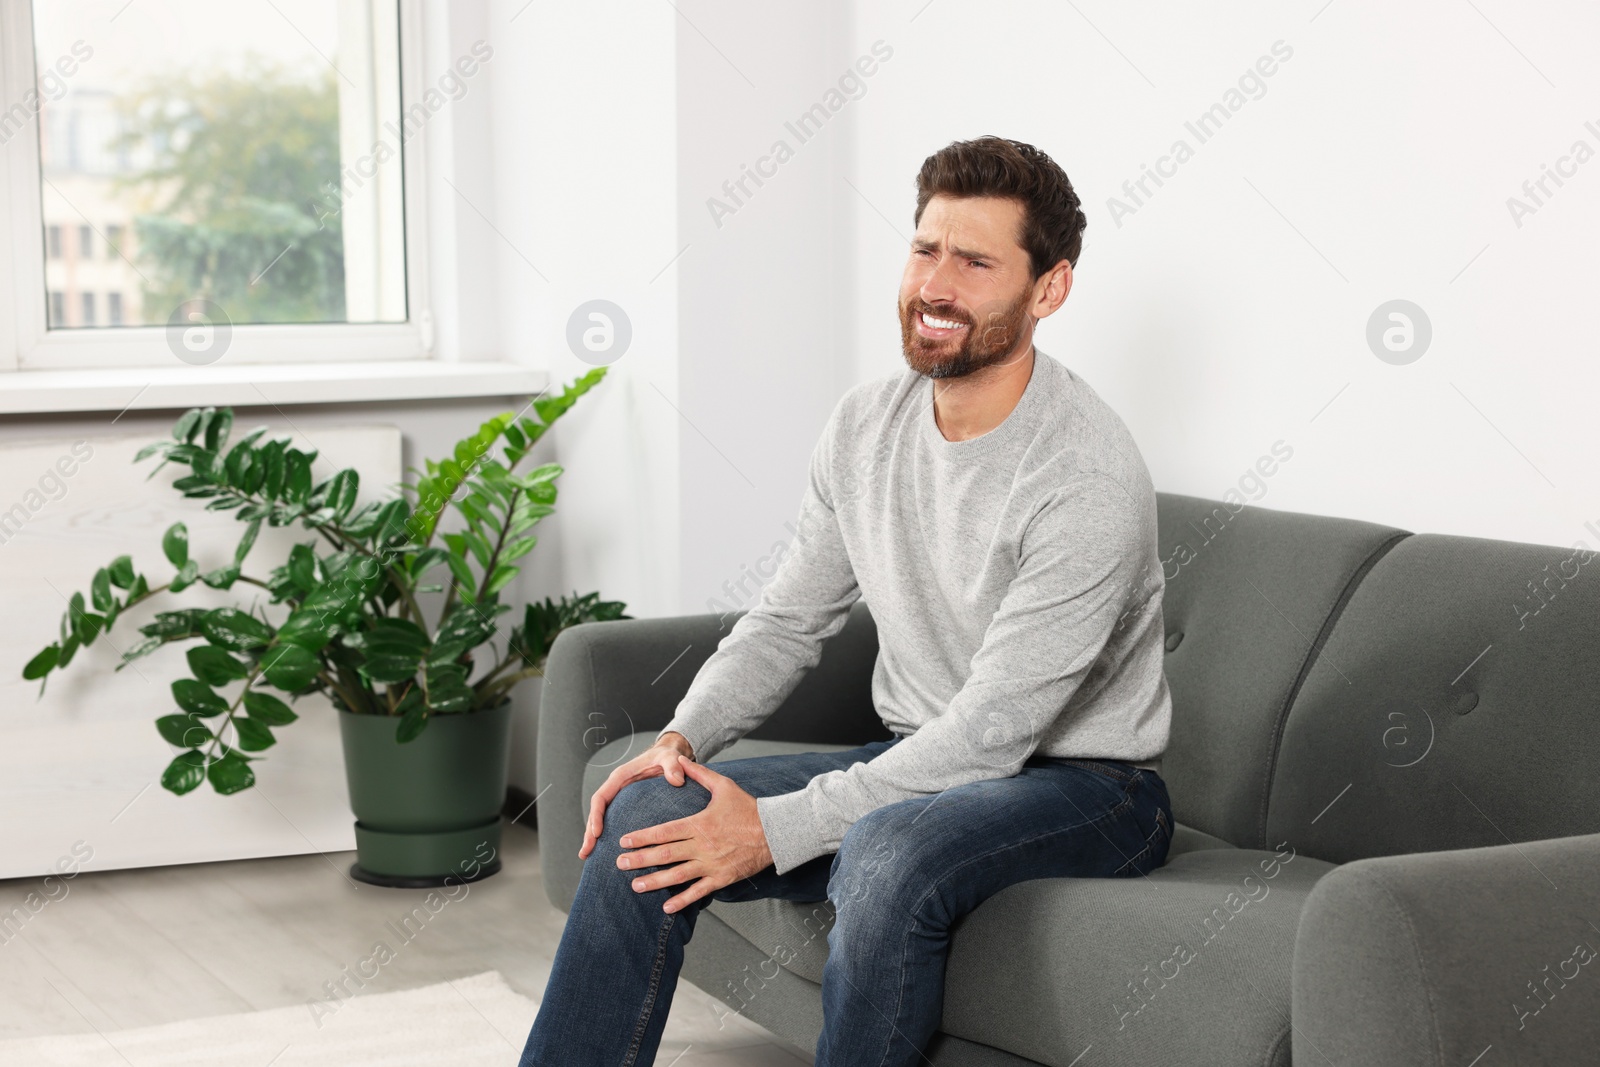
(1385, 772)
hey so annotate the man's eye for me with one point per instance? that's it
(976, 263)
(923, 252)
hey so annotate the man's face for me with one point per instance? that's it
(966, 298)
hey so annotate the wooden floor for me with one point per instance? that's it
(133, 948)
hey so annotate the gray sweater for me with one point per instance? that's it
(1016, 587)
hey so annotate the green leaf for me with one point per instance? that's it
(235, 629)
(218, 428)
(518, 548)
(247, 541)
(463, 573)
(272, 484)
(197, 698)
(266, 708)
(412, 723)
(303, 567)
(151, 449)
(69, 648)
(122, 572)
(143, 648)
(184, 429)
(230, 774)
(305, 629)
(214, 666)
(502, 575)
(297, 480)
(222, 577)
(184, 773)
(290, 668)
(185, 576)
(175, 543)
(185, 731)
(253, 735)
(42, 664)
(174, 625)
(100, 590)
(342, 492)
(391, 669)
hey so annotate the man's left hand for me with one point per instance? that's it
(718, 846)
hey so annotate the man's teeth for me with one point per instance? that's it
(940, 324)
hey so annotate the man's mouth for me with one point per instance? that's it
(934, 327)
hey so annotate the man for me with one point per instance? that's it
(999, 520)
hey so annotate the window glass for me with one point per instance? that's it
(245, 154)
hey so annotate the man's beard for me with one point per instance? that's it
(979, 345)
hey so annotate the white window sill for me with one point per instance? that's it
(255, 384)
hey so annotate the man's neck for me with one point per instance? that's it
(970, 406)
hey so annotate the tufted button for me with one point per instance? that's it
(1174, 639)
(1466, 702)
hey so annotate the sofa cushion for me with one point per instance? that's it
(1195, 955)
(1247, 595)
(1453, 706)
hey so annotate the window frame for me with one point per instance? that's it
(31, 345)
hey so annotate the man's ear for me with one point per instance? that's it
(1051, 289)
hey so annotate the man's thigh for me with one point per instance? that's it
(945, 854)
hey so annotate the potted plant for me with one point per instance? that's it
(423, 703)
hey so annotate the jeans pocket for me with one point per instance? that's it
(1154, 852)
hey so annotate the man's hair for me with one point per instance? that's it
(1052, 215)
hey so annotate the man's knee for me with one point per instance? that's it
(650, 802)
(873, 861)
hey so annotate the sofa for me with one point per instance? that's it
(1384, 769)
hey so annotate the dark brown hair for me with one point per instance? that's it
(1052, 215)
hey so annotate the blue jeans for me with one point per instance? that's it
(902, 877)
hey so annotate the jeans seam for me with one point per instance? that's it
(650, 993)
(1127, 802)
(1149, 841)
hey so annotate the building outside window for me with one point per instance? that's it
(88, 310)
(113, 309)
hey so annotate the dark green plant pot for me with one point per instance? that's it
(428, 811)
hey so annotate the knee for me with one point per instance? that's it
(874, 863)
(650, 802)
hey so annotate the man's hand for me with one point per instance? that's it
(660, 759)
(716, 847)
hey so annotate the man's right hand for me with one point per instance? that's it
(660, 759)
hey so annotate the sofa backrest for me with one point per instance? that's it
(1249, 593)
(1456, 704)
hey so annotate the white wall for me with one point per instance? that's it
(1229, 309)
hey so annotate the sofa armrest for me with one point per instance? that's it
(1432, 958)
(605, 680)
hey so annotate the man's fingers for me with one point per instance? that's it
(673, 875)
(701, 888)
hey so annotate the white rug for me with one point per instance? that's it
(468, 1022)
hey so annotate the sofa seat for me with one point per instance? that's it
(1196, 955)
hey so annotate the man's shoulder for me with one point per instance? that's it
(863, 409)
(1084, 440)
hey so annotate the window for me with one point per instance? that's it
(253, 160)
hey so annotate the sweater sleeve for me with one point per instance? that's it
(1079, 565)
(775, 643)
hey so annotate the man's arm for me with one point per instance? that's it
(775, 643)
(1081, 560)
